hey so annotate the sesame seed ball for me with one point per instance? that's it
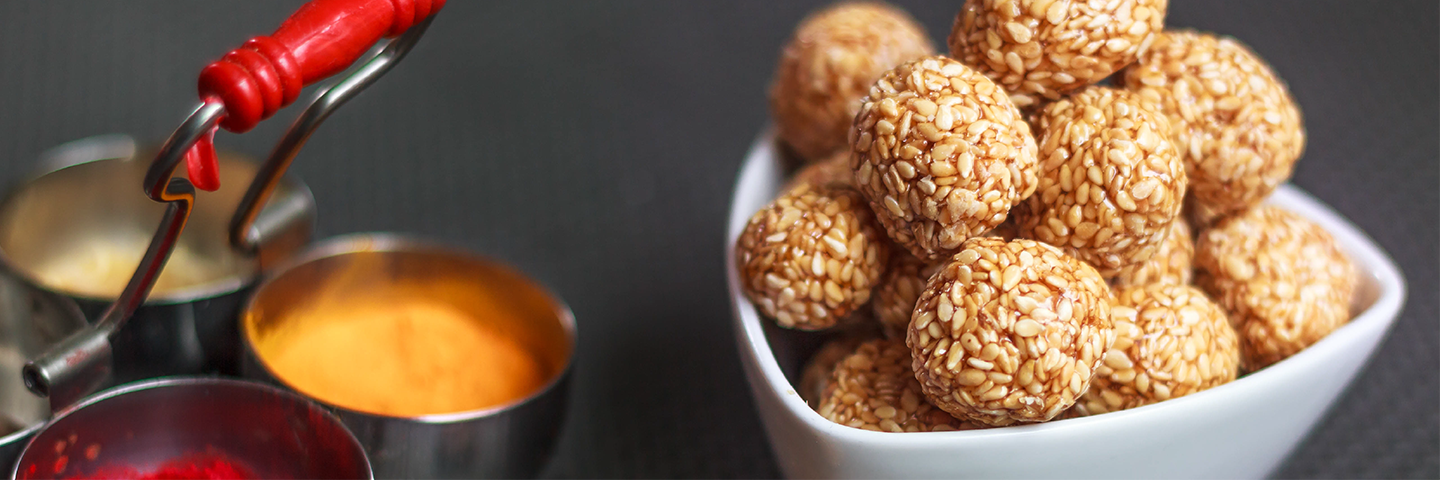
(1040, 49)
(1281, 279)
(832, 170)
(894, 299)
(873, 389)
(815, 378)
(1111, 181)
(811, 257)
(1009, 332)
(825, 69)
(941, 154)
(1170, 341)
(1172, 262)
(1233, 119)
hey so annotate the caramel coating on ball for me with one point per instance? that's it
(941, 154)
(1041, 49)
(1111, 181)
(873, 389)
(828, 66)
(1172, 263)
(811, 257)
(1234, 121)
(833, 170)
(1281, 279)
(1170, 341)
(1010, 332)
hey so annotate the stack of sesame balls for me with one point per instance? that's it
(995, 239)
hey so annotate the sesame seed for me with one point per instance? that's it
(837, 247)
(1117, 360)
(952, 360)
(1027, 328)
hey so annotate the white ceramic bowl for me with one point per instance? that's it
(1239, 430)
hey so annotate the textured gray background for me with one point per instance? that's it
(594, 145)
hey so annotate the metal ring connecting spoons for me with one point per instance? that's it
(81, 363)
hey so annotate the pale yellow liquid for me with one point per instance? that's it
(102, 267)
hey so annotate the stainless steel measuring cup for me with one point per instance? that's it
(264, 431)
(511, 440)
(77, 230)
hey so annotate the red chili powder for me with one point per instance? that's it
(203, 466)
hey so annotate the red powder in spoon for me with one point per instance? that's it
(203, 466)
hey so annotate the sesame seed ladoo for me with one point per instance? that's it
(941, 154)
(1282, 280)
(1170, 341)
(811, 257)
(1041, 49)
(816, 377)
(989, 242)
(873, 389)
(1172, 262)
(1233, 119)
(825, 69)
(1009, 332)
(1111, 181)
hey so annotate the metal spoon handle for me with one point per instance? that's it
(245, 235)
(71, 369)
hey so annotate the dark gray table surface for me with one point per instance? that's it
(594, 146)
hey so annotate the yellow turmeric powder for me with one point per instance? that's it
(399, 356)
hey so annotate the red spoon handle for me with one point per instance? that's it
(320, 39)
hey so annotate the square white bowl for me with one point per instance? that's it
(1242, 429)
